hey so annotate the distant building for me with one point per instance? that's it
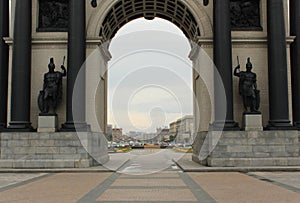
(162, 134)
(143, 136)
(173, 130)
(109, 132)
(185, 125)
(117, 134)
(182, 129)
(135, 135)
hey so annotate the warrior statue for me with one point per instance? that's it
(51, 95)
(248, 88)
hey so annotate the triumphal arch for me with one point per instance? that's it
(32, 31)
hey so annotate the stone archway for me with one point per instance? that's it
(125, 11)
(190, 16)
(194, 9)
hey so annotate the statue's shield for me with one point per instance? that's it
(257, 97)
(41, 101)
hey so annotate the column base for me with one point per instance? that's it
(280, 125)
(225, 126)
(297, 125)
(19, 126)
(75, 127)
(2, 127)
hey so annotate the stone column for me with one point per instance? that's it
(4, 32)
(295, 60)
(277, 60)
(75, 109)
(223, 62)
(21, 68)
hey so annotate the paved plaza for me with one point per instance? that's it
(167, 186)
(141, 178)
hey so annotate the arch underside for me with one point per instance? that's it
(124, 11)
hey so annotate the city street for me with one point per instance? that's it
(150, 176)
(149, 161)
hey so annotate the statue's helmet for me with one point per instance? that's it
(51, 64)
(249, 64)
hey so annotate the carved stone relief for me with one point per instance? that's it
(245, 14)
(53, 15)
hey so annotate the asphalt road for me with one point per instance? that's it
(148, 161)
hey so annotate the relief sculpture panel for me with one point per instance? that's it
(245, 14)
(53, 15)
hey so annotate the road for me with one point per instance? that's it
(149, 161)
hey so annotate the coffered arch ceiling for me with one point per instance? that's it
(124, 11)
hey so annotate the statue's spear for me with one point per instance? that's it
(63, 67)
(238, 61)
(64, 61)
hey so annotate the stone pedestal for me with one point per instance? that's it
(252, 122)
(47, 123)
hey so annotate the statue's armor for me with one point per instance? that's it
(51, 94)
(247, 81)
(52, 83)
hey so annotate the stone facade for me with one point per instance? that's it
(54, 44)
(197, 22)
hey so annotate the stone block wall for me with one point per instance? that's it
(299, 142)
(248, 148)
(52, 150)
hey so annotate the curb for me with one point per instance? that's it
(238, 169)
(98, 169)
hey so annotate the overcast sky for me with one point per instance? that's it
(150, 76)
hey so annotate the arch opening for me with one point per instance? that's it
(150, 63)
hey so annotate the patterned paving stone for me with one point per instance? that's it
(65, 187)
(237, 187)
(148, 182)
(165, 187)
(8, 179)
(150, 195)
(288, 180)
